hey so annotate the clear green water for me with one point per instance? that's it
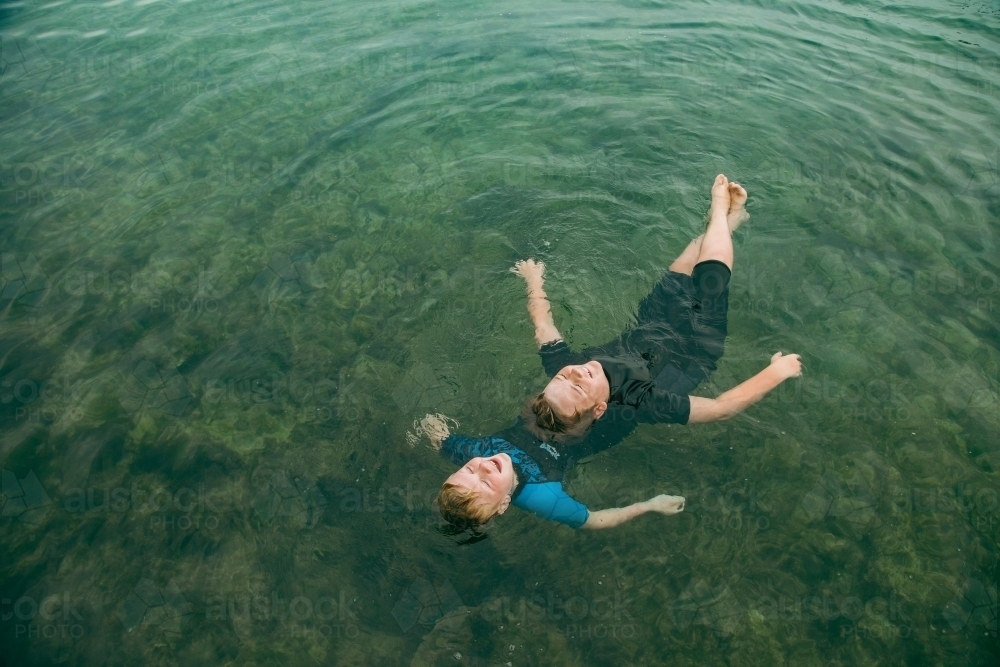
(246, 243)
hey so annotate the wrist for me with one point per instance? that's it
(776, 374)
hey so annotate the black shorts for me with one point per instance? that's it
(696, 309)
(680, 328)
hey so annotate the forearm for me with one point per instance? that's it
(736, 400)
(615, 516)
(541, 314)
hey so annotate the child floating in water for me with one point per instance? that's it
(598, 396)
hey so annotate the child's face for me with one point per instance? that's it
(579, 389)
(491, 479)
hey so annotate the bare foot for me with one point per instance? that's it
(720, 197)
(665, 504)
(737, 203)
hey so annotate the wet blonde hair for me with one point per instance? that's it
(463, 508)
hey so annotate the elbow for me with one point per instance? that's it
(714, 411)
(722, 409)
(724, 413)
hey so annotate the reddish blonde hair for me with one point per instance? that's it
(548, 419)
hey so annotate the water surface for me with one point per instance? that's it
(245, 244)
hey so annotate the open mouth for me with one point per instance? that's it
(496, 462)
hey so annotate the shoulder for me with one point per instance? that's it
(553, 347)
(556, 355)
(550, 501)
(663, 406)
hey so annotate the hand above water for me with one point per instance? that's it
(435, 427)
(787, 365)
(533, 272)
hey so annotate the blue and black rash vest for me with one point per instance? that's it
(540, 473)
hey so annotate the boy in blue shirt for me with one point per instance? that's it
(598, 396)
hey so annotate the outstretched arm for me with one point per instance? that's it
(742, 396)
(616, 516)
(538, 303)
